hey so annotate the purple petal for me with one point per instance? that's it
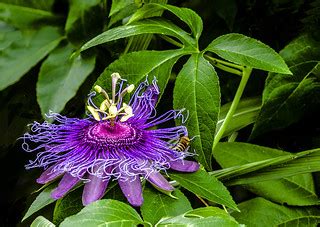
(94, 189)
(67, 182)
(158, 180)
(184, 166)
(132, 190)
(48, 175)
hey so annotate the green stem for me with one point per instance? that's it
(170, 40)
(226, 66)
(244, 79)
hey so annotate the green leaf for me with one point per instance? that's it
(36, 4)
(41, 222)
(295, 190)
(67, 206)
(42, 200)
(197, 90)
(247, 51)
(206, 186)
(118, 5)
(298, 94)
(157, 205)
(302, 162)
(186, 15)
(61, 74)
(206, 216)
(25, 17)
(25, 51)
(246, 114)
(157, 26)
(85, 20)
(124, 13)
(261, 212)
(104, 212)
(136, 66)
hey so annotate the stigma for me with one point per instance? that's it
(112, 108)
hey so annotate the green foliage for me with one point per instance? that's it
(207, 186)
(158, 205)
(253, 213)
(104, 212)
(41, 222)
(295, 190)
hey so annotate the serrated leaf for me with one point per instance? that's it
(154, 26)
(67, 206)
(295, 190)
(25, 17)
(284, 95)
(205, 185)
(42, 200)
(157, 205)
(186, 15)
(41, 222)
(261, 212)
(247, 51)
(85, 20)
(104, 212)
(197, 90)
(24, 52)
(245, 114)
(61, 74)
(206, 216)
(136, 66)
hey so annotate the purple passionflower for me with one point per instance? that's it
(117, 141)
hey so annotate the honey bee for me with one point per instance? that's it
(182, 144)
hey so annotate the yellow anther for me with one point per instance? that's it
(113, 110)
(125, 118)
(105, 105)
(130, 88)
(98, 89)
(94, 113)
(115, 76)
(127, 109)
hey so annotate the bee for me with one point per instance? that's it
(182, 144)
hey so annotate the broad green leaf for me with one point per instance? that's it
(61, 74)
(136, 66)
(197, 90)
(205, 185)
(154, 26)
(67, 206)
(302, 162)
(104, 213)
(186, 15)
(42, 200)
(157, 205)
(206, 216)
(25, 17)
(24, 52)
(246, 114)
(261, 212)
(295, 190)
(247, 51)
(41, 222)
(124, 13)
(85, 20)
(284, 95)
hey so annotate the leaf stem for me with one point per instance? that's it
(170, 40)
(226, 66)
(244, 79)
(203, 201)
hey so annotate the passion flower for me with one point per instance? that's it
(117, 141)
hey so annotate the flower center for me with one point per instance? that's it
(121, 134)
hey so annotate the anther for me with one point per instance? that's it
(94, 113)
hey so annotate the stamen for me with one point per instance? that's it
(94, 113)
(128, 90)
